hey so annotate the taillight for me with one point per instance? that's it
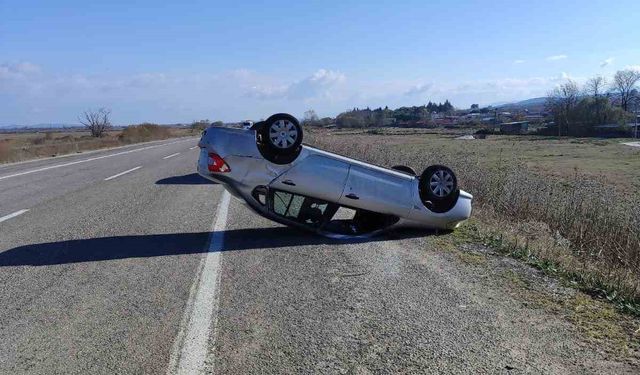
(217, 164)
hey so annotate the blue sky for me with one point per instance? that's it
(178, 62)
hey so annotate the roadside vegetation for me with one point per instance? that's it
(577, 109)
(98, 133)
(580, 221)
(25, 146)
(144, 132)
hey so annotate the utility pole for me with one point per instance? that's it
(635, 100)
(636, 103)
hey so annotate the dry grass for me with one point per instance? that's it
(585, 223)
(144, 132)
(5, 149)
(24, 146)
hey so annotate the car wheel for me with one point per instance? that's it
(438, 188)
(404, 169)
(279, 138)
(282, 133)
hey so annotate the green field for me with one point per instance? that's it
(606, 160)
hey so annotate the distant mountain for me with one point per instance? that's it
(533, 104)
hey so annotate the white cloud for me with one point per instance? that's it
(518, 61)
(632, 67)
(268, 92)
(419, 89)
(556, 57)
(30, 95)
(318, 85)
(18, 70)
(606, 62)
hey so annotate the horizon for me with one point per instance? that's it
(59, 125)
(178, 63)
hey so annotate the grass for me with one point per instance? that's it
(25, 146)
(567, 206)
(600, 159)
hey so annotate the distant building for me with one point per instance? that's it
(488, 120)
(534, 118)
(615, 130)
(515, 127)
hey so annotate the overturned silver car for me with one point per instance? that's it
(269, 169)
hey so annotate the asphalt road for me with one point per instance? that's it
(157, 271)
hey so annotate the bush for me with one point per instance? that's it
(199, 126)
(38, 140)
(144, 132)
(5, 150)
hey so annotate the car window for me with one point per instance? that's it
(305, 210)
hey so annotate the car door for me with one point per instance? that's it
(376, 189)
(316, 176)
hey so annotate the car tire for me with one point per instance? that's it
(404, 169)
(279, 138)
(438, 187)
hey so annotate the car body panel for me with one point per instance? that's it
(316, 176)
(323, 175)
(378, 191)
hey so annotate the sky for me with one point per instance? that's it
(232, 60)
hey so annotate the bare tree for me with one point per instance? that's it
(595, 87)
(561, 101)
(624, 83)
(310, 117)
(97, 121)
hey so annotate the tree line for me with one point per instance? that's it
(367, 117)
(576, 109)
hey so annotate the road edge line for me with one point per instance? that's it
(199, 322)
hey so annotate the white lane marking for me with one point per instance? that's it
(194, 147)
(172, 155)
(122, 173)
(11, 216)
(190, 349)
(85, 160)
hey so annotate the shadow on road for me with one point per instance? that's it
(188, 179)
(156, 245)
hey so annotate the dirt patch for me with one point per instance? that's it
(596, 322)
